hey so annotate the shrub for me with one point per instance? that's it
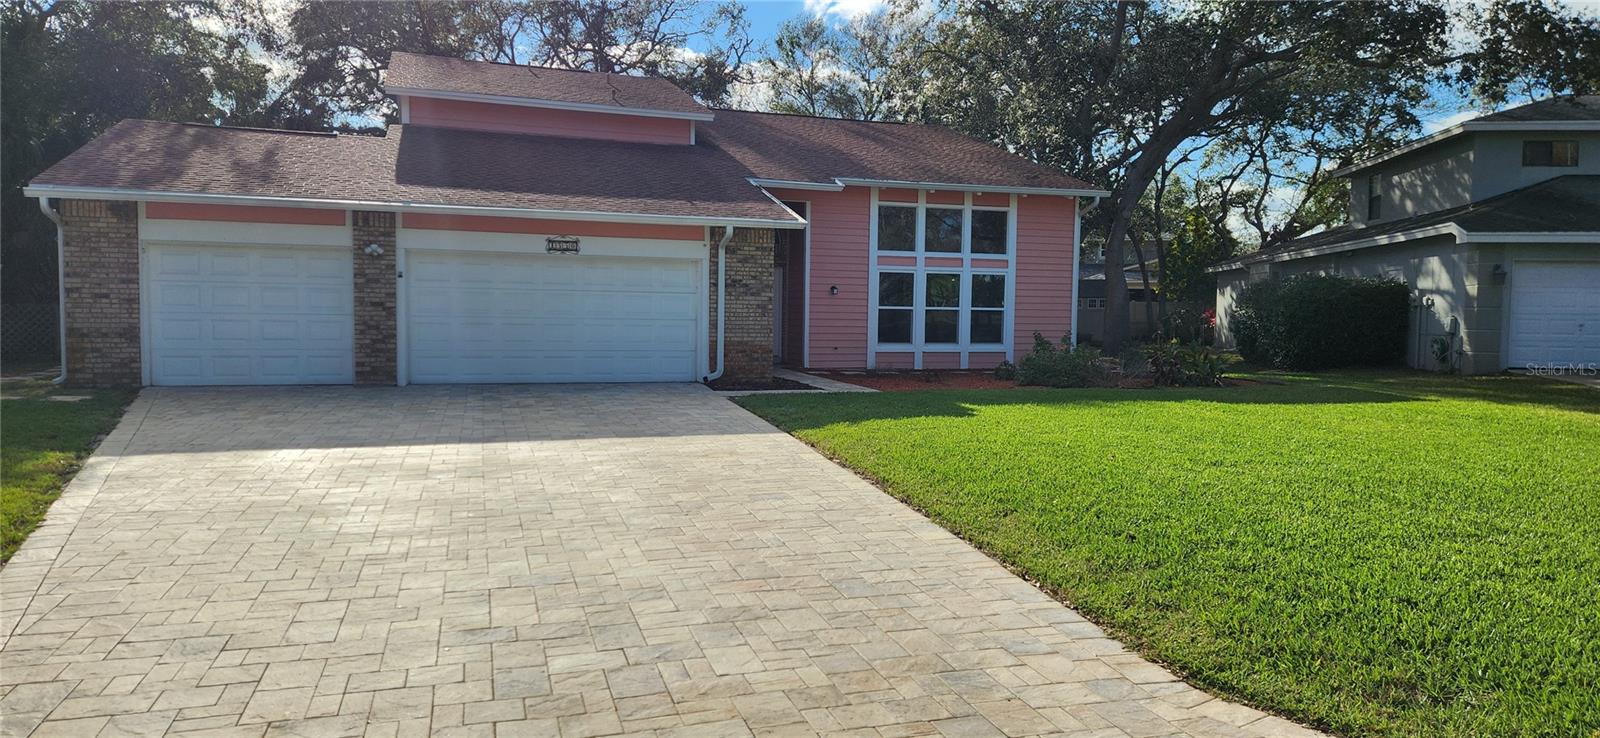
(1005, 371)
(1190, 324)
(1174, 364)
(1315, 321)
(1050, 365)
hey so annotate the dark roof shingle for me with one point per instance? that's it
(1565, 108)
(429, 166)
(805, 149)
(1569, 204)
(621, 91)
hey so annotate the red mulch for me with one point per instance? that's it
(910, 381)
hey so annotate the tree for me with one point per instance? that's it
(1530, 49)
(834, 70)
(1111, 90)
(74, 69)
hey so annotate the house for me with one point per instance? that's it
(524, 224)
(1495, 225)
(1141, 298)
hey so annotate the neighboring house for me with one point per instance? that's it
(1494, 223)
(1092, 299)
(537, 225)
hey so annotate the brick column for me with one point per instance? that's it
(749, 309)
(375, 281)
(102, 290)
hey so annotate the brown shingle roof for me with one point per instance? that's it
(806, 149)
(444, 74)
(417, 165)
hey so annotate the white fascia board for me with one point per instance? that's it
(529, 102)
(113, 193)
(1534, 237)
(1531, 126)
(1006, 189)
(792, 185)
(1444, 229)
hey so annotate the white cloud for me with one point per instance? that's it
(844, 8)
(1439, 124)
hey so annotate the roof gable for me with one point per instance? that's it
(448, 77)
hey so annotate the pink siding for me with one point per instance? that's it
(947, 197)
(990, 263)
(896, 360)
(495, 224)
(991, 199)
(937, 359)
(989, 359)
(897, 261)
(546, 122)
(243, 213)
(839, 252)
(942, 261)
(1045, 252)
(890, 194)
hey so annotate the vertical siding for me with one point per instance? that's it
(546, 122)
(839, 251)
(1045, 251)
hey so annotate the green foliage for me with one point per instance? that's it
(44, 443)
(836, 70)
(1176, 364)
(1377, 554)
(1190, 324)
(1531, 49)
(1005, 371)
(1200, 243)
(1322, 321)
(1049, 365)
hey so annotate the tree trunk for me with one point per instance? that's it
(1144, 291)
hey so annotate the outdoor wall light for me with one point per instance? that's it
(373, 249)
(834, 290)
(1498, 274)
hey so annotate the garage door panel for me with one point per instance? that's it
(545, 318)
(1555, 313)
(250, 315)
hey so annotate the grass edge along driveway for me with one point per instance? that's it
(1377, 554)
(42, 444)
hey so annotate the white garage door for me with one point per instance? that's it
(249, 315)
(479, 317)
(1555, 313)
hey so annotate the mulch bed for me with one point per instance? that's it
(775, 383)
(911, 381)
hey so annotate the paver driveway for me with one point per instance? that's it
(531, 561)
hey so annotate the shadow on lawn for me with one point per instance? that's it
(1345, 388)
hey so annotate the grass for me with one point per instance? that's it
(42, 442)
(1378, 554)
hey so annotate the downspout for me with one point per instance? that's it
(722, 303)
(1077, 256)
(61, 284)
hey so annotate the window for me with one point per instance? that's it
(1374, 197)
(895, 306)
(941, 316)
(989, 231)
(897, 228)
(987, 319)
(1549, 153)
(942, 230)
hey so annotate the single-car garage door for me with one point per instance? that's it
(483, 317)
(249, 315)
(1555, 313)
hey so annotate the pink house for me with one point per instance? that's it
(539, 225)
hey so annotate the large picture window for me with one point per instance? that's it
(896, 304)
(989, 231)
(897, 228)
(987, 317)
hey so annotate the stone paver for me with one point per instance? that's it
(530, 561)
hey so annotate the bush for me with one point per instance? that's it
(1175, 364)
(1050, 365)
(1313, 321)
(1190, 324)
(1005, 371)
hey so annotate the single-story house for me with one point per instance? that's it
(524, 224)
(1494, 223)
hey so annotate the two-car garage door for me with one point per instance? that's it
(488, 317)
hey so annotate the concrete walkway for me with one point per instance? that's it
(531, 561)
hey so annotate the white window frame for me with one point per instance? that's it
(921, 268)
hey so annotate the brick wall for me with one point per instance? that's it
(749, 310)
(375, 327)
(102, 289)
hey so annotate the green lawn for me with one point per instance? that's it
(1379, 554)
(42, 442)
